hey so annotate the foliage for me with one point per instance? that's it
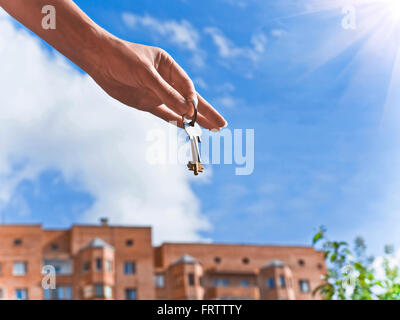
(352, 274)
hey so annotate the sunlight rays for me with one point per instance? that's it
(375, 41)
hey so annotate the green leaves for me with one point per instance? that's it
(350, 274)
(318, 236)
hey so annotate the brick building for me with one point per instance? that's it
(115, 262)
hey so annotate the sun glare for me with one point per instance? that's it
(393, 9)
(375, 35)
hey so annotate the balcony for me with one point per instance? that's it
(61, 266)
(230, 292)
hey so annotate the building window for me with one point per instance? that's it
(109, 266)
(108, 292)
(221, 282)
(217, 260)
(68, 292)
(20, 268)
(159, 279)
(304, 286)
(129, 243)
(319, 266)
(99, 290)
(61, 266)
(130, 294)
(47, 294)
(86, 266)
(129, 267)
(63, 293)
(21, 294)
(99, 264)
(1, 269)
(60, 293)
(87, 292)
(301, 262)
(245, 283)
(54, 246)
(246, 260)
(271, 283)
(191, 279)
(17, 242)
(1, 294)
(282, 281)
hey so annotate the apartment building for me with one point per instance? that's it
(118, 262)
(227, 271)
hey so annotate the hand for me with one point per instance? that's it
(143, 77)
(147, 78)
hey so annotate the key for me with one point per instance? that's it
(194, 133)
(193, 130)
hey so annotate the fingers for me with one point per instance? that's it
(207, 116)
(212, 115)
(174, 74)
(205, 123)
(179, 80)
(167, 94)
(168, 115)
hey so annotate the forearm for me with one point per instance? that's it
(76, 36)
(143, 77)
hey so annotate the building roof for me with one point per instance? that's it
(274, 263)
(97, 243)
(185, 259)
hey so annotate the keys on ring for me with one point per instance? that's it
(193, 131)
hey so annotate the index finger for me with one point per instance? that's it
(211, 114)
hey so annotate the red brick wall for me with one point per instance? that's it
(29, 251)
(232, 256)
(38, 244)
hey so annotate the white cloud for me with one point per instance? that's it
(226, 98)
(226, 87)
(198, 81)
(51, 116)
(259, 41)
(227, 49)
(277, 33)
(180, 33)
(226, 101)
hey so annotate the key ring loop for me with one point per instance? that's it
(193, 121)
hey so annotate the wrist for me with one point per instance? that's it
(90, 54)
(100, 52)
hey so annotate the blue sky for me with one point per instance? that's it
(316, 94)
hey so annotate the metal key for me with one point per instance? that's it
(193, 130)
(194, 133)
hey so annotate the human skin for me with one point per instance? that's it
(143, 77)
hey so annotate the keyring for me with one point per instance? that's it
(191, 123)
